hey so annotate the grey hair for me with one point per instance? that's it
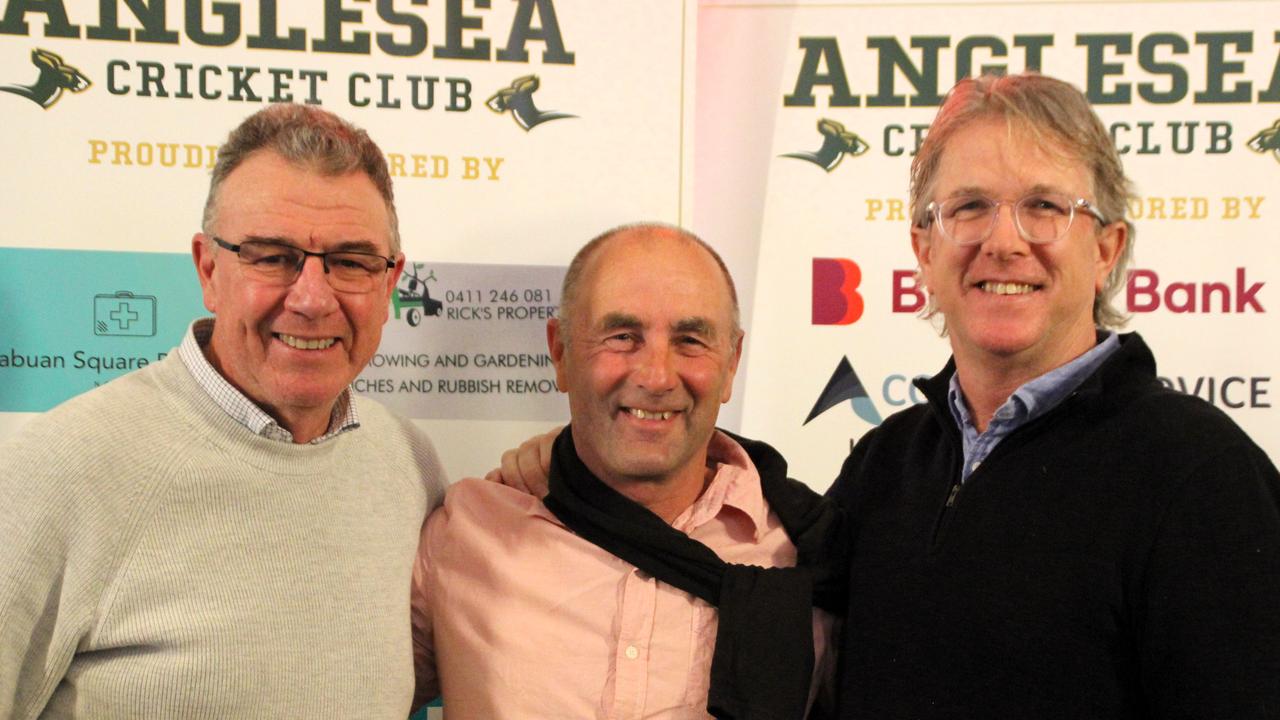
(308, 137)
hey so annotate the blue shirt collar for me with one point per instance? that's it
(1030, 401)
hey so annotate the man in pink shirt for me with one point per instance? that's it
(527, 609)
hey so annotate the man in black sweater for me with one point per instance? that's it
(1054, 534)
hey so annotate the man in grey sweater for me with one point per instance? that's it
(245, 548)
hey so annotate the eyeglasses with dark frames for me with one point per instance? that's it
(277, 263)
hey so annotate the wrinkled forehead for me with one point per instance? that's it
(269, 189)
(645, 270)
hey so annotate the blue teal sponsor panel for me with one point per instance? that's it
(71, 320)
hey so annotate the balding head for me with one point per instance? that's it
(639, 232)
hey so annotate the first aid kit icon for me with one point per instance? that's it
(124, 313)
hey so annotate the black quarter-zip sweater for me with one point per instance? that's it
(1118, 557)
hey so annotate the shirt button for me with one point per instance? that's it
(631, 652)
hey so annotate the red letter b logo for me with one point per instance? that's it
(835, 291)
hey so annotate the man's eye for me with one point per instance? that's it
(1047, 205)
(274, 259)
(347, 262)
(967, 207)
(620, 341)
(691, 345)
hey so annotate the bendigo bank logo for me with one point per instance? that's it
(836, 143)
(1146, 292)
(835, 291)
(54, 77)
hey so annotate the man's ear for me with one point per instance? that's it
(556, 340)
(202, 254)
(733, 367)
(922, 246)
(393, 277)
(1111, 244)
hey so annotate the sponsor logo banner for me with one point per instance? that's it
(469, 342)
(74, 320)
(461, 341)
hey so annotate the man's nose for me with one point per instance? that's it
(310, 294)
(655, 371)
(1005, 239)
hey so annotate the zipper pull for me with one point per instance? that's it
(951, 499)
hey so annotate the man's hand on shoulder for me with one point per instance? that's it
(527, 467)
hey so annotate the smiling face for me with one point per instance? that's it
(293, 349)
(1009, 303)
(648, 358)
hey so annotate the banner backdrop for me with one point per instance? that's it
(839, 97)
(515, 131)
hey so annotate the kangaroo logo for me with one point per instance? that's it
(518, 98)
(55, 76)
(836, 143)
(1267, 140)
(845, 385)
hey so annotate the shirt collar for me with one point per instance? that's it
(736, 485)
(192, 352)
(1040, 395)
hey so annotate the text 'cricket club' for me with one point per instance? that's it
(461, 33)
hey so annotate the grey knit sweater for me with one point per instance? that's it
(159, 560)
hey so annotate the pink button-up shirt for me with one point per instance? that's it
(514, 616)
